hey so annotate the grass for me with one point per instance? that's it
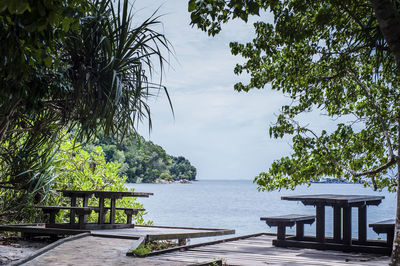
(143, 250)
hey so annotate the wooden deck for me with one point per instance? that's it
(163, 232)
(150, 232)
(259, 251)
(252, 251)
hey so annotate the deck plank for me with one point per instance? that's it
(259, 251)
(252, 251)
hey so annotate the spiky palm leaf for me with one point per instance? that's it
(111, 67)
(103, 82)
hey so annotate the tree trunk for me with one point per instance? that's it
(395, 259)
(389, 24)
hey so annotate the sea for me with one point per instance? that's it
(238, 205)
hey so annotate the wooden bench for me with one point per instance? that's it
(81, 211)
(385, 227)
(129, 213)
(289, 220)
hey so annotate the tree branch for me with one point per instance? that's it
(351, 14)
(19, 130)
(372, 172)
(378, 112)
(369, 172)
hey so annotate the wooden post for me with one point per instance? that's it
(281, 231)
(320, 230)
(52, 219)
(389, 238)
(72, 212)
(82, 219)
(337, 223)
(85, 204)
(112, 211)
(129, 214)
(362, 223)
(299, 230)
(102, 213)
(347, 225)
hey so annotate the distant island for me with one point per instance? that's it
(145, 162)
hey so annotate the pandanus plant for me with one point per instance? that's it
(102, 81)
(110, 68)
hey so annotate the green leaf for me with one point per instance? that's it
(66, 24)
(47, 61)
(192, 5)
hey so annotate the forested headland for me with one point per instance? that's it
(143, 161)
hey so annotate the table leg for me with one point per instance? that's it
(337, 223)
(82, 222)
(102, 212)
(299, 231)
(362, 223)
(52, 219)
(281, 232)
(347, 225)
(85, 204)
(320, 223)
(112, 211)
(389, 238)
(72, 212)
(129, 214)
(85, 201)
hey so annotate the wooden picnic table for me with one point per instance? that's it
(339, 203)
(113, 196)
(101, 195)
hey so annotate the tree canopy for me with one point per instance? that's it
(144, 161)
(70, 65)
(334, 57)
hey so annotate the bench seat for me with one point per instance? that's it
(283, 221)
(128, 211)
(385, 227)
(84, 211)
(53, 210)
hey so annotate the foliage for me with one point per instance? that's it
(78, 169)
(328, 56)
(141, 251)
(64, 65)
(144, 161)
(150, 246)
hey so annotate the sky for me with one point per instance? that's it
(223, 133)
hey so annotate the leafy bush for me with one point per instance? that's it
(78, 169)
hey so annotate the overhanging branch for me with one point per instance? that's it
(378, 112)
(369, 172)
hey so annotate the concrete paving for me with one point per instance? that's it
(92, 250)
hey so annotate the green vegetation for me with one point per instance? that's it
(144, 161)
(339, 58)
(79, 66)
(143, 250)
(77, 169)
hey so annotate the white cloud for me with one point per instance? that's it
(222, 132)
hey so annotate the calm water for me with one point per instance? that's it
(238, 205)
